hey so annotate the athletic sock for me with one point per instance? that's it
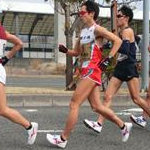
(62, 138)
(143, 118)
(122, 127)
(29, 127)
(99, 124)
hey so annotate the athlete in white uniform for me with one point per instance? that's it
(6, 111)
(88, 47)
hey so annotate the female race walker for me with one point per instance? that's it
(88, 46)
(6, 111)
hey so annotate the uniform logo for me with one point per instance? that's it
(90, 71)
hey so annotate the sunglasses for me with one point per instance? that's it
(82, 13)
(119, 16)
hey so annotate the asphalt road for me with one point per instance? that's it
(52, 119)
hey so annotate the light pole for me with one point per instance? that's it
(145, 53)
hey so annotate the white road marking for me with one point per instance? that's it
(133, 110)
(128, 112)
(31, 110)
(123, 113)
(51, 131)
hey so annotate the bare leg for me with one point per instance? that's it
(97, 106)
(87, 89)
(82, 91)
(111, 90)
(10, 113)
(133, 86)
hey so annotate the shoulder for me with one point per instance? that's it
(127, 34)
(99, 28)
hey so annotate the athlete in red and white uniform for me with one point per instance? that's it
(6, 111)
(88, 47)
(90, 55)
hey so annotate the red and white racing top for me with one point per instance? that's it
(91, 53)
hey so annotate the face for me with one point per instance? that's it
(121, 19)
(85, 15)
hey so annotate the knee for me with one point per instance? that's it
(97, 108)
(136, 99)
(73, 104)
(107, 98)
(94, 108)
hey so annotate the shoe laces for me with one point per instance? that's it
(125, 131)
(140, 120)
(94, 124)
(57, 140)
(32, 133)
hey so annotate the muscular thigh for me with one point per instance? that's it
(84, 88)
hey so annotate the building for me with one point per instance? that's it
(41, 28)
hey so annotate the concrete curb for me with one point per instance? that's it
(51, 100)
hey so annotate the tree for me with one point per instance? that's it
(70, 7)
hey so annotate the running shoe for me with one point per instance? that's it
(138, 120)
(92, 125)
(32, 133)
(56, 140)
(126, 131)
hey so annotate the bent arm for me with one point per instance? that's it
(76, 50)
(17, 44)
(100, 31)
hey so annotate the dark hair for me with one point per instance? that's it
(127, 11)
(92, 7)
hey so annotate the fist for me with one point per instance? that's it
(62, 48)
(105, 63)
(4, 60)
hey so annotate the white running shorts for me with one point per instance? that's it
(2, 74)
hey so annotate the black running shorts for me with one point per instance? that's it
(125, 72)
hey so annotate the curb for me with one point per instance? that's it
(53, 100)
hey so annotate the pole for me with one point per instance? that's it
(56, 32)
(69, 65)
(114, 16)
(18, 54)
(145, 53)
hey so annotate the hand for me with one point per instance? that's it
(62, 48)
(105, 63)
(4, 60)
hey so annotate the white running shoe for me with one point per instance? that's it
(32, 133)
(92, 125)
(56, 140)
(138, 120)
(126, 131)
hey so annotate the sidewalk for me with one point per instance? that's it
(39, 96)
